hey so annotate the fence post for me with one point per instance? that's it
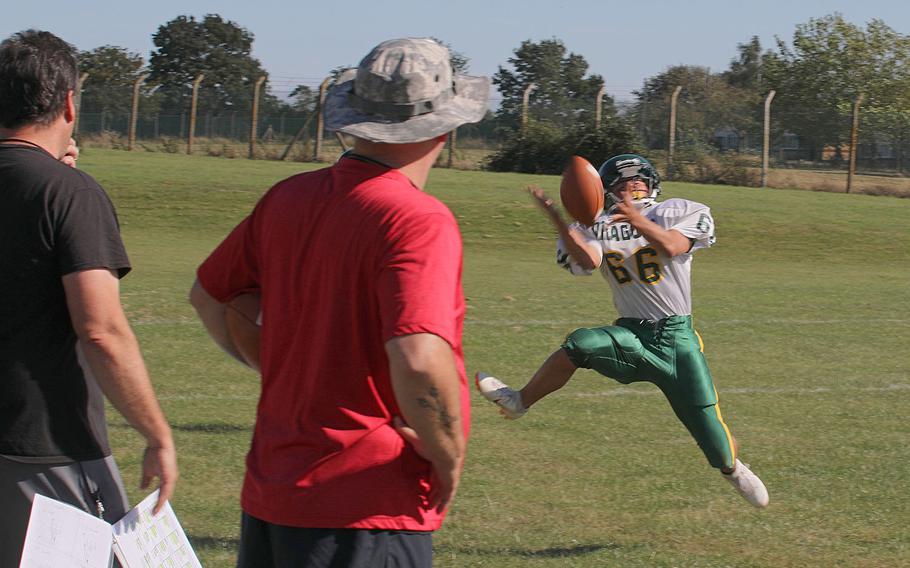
(134, 111)
(78, 97)
(598, 105)
(766, 139)
(297, 136)
(525, 100)
(254, 116)
(671, 147)
(854, 136)
(453, 140)
(320, 119)
(340, 138)
(192, 128)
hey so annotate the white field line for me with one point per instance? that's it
(619, 392)
(704, 322)
(511, 323)
(894, 387)
(188, 397)
(185, 397)
(162, 321)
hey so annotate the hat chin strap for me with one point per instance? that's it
(400, 110)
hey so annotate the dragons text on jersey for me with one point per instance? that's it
(645, 283)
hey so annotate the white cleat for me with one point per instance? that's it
(499, 393)
(748, 485)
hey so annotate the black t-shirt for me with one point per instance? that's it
(54, 220)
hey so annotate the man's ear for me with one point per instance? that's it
(69, 108)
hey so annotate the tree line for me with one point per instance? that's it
(550, 100)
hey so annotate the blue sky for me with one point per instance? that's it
(300, 42)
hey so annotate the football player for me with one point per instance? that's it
(644, 251)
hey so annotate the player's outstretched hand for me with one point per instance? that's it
(160, 462)
(445, 475)
(546, 204)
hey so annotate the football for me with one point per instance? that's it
(581, 191)
(242, 319)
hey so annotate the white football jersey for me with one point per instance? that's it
(645, 283)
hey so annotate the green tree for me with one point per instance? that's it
(886, 108)
(745, 71)
(561, 112)
(217, 48)
(831, 62)
(707, 104)
(111, 73)
(303, 99)
(459, 61)
(563, 94)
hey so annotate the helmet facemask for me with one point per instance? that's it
(626, 167)
(641, 198)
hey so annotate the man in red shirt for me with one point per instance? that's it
(363, 417)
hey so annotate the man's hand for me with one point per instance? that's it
(112, 356)
(160, 462)
(428, 390)
(71, 155)
(445, 475)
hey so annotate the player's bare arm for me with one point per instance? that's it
(584, 255)
(112, 353)
(428, 391)
(668, 242)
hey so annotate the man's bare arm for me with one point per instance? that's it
(428, 390)
(109, 346)
(212, 314)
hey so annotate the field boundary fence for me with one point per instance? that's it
(680, 132)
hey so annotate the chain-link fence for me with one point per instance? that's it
(711, 142)
(776, 143)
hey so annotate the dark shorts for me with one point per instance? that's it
(265, 545)
(669, 354)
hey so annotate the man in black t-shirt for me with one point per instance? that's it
(64, 339)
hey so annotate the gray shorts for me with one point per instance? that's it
(64, 482)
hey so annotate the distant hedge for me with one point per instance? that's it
(544, 148)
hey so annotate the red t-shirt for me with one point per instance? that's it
(346, 258)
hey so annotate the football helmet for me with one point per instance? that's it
(630, 166)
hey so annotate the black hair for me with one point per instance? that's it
(37, 70)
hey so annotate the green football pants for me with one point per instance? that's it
(669, 354)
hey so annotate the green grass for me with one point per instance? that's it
(803, 305)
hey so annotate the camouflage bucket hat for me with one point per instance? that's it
(404, 91)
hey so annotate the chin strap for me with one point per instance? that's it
(642, 203)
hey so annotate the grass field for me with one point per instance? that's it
(805, 312)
